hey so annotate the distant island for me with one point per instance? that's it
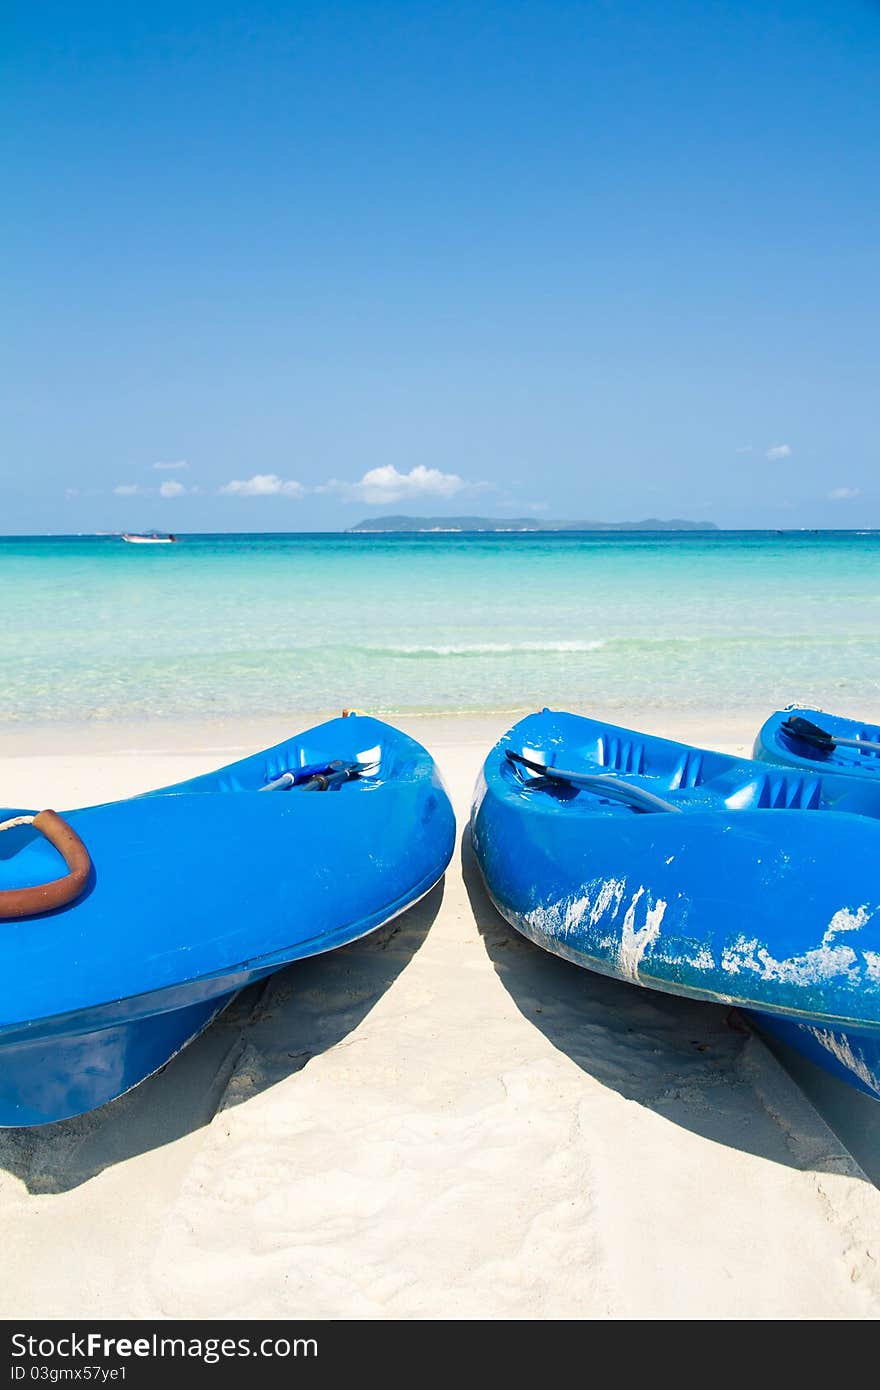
(522, 523)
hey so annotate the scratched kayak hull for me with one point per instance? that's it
(762, 893)
(855, 1054)
(197, 891)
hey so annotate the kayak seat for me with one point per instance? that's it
(688, 771)
(620, 754)
(771, 791)
(870, 735)
(790, 793)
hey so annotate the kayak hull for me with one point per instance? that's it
(761, 894)
(197, 891)
(68, 1073)
(850, 1055)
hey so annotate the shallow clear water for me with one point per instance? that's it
(262, 625)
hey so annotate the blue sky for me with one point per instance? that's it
(599, 260)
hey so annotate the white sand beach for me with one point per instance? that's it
(439, 1121)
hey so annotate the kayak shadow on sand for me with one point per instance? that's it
(698, 1065)
(269, 1032)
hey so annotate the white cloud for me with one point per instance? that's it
(171, 467)
(170, 488)
(378, 486)
(843, 494)
(779, 451)
(386, 484)
(263, 485)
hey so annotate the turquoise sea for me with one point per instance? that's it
(240, 625)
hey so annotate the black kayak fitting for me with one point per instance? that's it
(808, 732)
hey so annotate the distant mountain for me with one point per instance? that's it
(522, 523)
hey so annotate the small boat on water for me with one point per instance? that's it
(176, 899)
(155, 539)
(819, 742)
(694, 873)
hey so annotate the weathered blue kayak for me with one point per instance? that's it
(196, 891)
(694, 873)
(819, 742)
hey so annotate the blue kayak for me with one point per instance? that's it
(695, 873)
(819, 742)
(195, 891)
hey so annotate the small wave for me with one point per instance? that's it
(485, 648)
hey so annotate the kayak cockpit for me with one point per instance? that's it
(799, 737)
(357, 744)
(592, 768)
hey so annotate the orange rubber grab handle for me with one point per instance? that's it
(44, 897)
